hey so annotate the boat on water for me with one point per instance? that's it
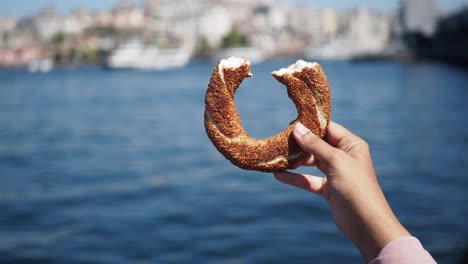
(344, 48)
(135, 55)
(254, 54)
(41, 65)
(339, 49)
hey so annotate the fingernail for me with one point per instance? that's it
(300, 129)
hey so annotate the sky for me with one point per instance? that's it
(18, 8)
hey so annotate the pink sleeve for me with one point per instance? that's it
(404, 250)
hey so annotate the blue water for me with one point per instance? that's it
(101, 166)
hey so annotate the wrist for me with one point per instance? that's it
(376, 231)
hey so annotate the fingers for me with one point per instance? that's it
(342, 138)
(297, 165)
(311, 143)
(306, 182)
(309, 160)
(337, 133)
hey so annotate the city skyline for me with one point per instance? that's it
(21, 8)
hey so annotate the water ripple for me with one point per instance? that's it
(105, 166)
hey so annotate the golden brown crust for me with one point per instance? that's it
(309, 91)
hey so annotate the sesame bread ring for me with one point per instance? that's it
(308, 88)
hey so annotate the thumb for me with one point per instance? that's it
(311, 143)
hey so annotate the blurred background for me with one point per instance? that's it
(104, 157)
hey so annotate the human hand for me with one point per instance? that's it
(350, 187)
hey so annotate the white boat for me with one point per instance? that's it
(254, 54)
(135, 55)
(41, 65)
(340, 49)
(343, 48)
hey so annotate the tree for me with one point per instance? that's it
(204, 47)
(234, 39)
(5, 38)
(58, 38)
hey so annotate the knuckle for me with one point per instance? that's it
(364, 145)
(334, 156)
(359, 143)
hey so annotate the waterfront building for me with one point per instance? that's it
(128, 16)
(214, 23)
(418, 16)
(240, 10)
(329, 23)
(173, 19)
(306, 22)
(103, 18)
(77, 22)
(369, 30)
(7, 25)
(48, 24)
(268, 18)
